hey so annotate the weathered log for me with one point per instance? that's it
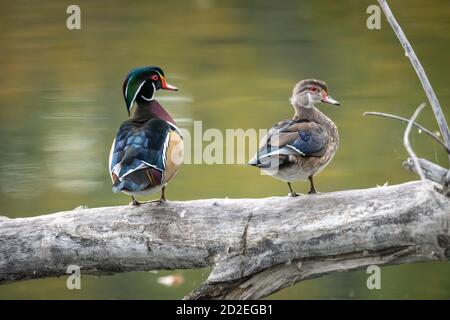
(254, 246)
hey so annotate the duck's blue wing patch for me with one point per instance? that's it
(301, 138)
(310, 141)
(139, 146)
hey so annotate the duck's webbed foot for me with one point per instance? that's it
(312, 189)
(163, 196)
(292, 193)
(134, 202)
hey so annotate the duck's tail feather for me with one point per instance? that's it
(271, 157)
(139, 180)
(263, 162)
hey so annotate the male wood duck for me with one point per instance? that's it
(299, 148)
(148, 148)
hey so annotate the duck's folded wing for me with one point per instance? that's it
(139, 154)
(292, 138)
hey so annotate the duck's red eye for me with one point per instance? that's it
(154, 77)
(313, 89)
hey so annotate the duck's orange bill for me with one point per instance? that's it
(166, 86)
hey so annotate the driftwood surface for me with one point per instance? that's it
(254, 246)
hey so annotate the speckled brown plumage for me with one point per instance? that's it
(299, 148)
(317, 161)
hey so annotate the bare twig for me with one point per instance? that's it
(392, 116)
(408, 145)
(438, 113)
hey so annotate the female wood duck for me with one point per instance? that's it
(299, 148)
(148, 148)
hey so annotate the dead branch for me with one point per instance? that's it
(420, 127)
(437, 110)
(407, 144)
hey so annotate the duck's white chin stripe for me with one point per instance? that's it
(147, 99)
(153, 96)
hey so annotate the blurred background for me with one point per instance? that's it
(235, 63)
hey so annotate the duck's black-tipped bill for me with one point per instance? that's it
(166, 86)
(330, 100)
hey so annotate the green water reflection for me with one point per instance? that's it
(235, 63)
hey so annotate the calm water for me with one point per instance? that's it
(235, 64)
